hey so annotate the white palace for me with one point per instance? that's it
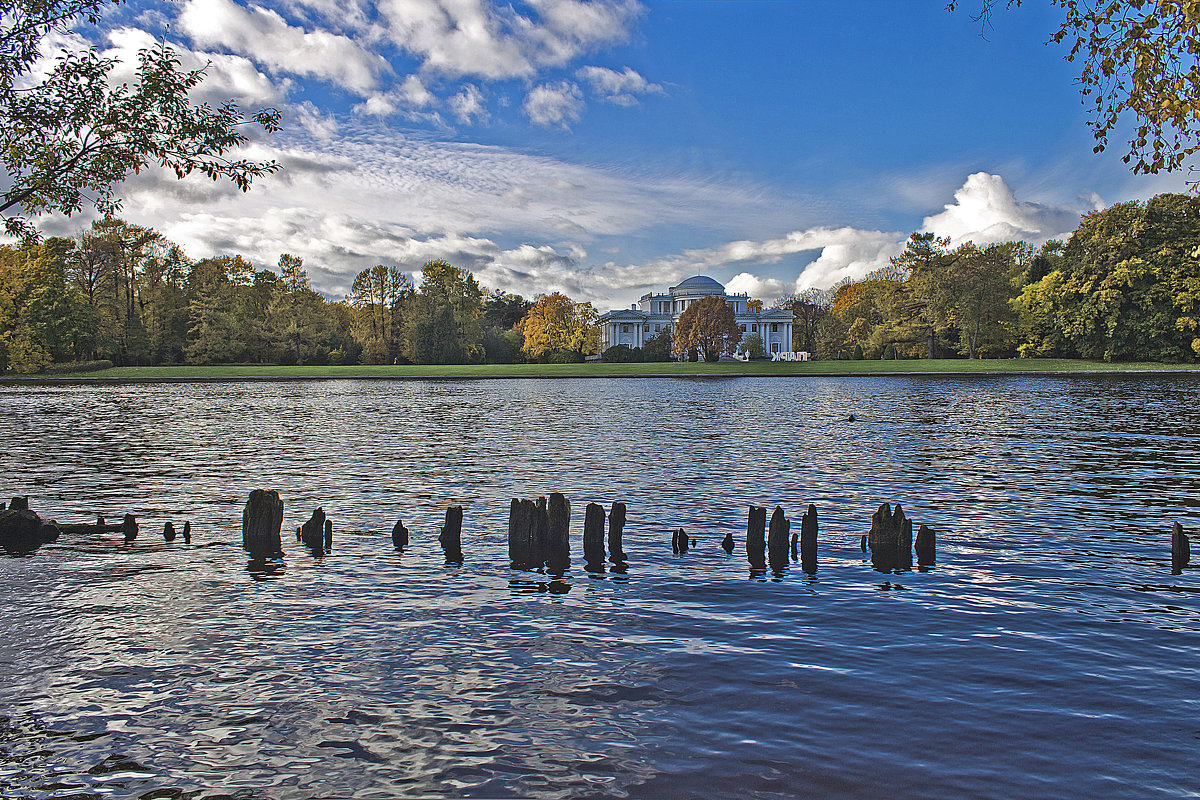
(657, 312)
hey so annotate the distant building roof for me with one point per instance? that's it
(700, 282)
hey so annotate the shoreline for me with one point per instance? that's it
(939, 368)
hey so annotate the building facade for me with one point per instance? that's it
(655, 313)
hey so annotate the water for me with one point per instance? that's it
(1049, 653)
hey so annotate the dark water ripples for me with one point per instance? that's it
(1049, 653)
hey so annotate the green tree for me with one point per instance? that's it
(709, 327)
(659, 347)
(446, 287)
(70, 135)
(378, 295)
(753, 346)
(1138, 60)
(923, 308)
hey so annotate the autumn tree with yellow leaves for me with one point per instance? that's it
(709, 327)
(556, 327)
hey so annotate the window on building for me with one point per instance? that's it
(656, 328)
(743, 328)
(647, 329)
(624, 329)
(754, 329)
(774, 327)
(775, 347)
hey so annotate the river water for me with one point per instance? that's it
(1049, 653)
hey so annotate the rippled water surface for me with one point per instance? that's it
(1049, 653)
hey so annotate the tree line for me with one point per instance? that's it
(125, 293)
(1124, 287)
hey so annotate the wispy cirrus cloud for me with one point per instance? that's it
(623, 88)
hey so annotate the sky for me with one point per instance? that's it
(607, 148)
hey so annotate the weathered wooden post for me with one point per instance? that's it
(862, 543)
(808, 540)
(399, 535)
(519, 529)
(679, 541)
(451, 535)
(1181, 549)
(261, 523)
(329, 534)
(777, 539)
(904, 551)
(888, 539)
(169, 531)
(727, 543)
(926, 546)
(541, 533)
(187, 532)
(593, 534)
(756, 545)
(129, 528)
(312, 533)
(558, 554)
(616, 527)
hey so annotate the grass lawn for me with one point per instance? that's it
(672, 369)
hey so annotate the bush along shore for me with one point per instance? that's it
(539, 536)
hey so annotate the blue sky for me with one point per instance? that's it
(609, 147)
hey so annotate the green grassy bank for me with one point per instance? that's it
(764, 368)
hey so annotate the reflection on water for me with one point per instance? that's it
(1049, 653)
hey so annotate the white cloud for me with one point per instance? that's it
(409, 95)
(766, 289)
(622, 88)
(467, 106)
(554, 104)
(262, 34)
(986, 211)
(478, 37)
(320, 126)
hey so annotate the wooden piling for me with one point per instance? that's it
(808, 540)
(890, 545)
(328, 534)
(1181, 549)
(451, 535)
(187, 532)
(905, 544)
(727, 543)
(926, 546)
(593, 533)
(261, 522)
(616, 527)
(558, 529)
(756, 545)
(399, 535)
(129, 527)
(312, 533)
(777, 539)
(169, 531)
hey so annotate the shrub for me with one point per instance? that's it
(565, 357)
(858, 353)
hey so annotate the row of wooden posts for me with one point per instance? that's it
(538, 534)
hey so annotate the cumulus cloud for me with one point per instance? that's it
(986, 211)
(622, 88)
(766, 289)
(265, 36)
(554, 104)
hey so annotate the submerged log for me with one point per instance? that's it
(1181, 549)
(558, 551)
(756, 544)
(312, 533)
(808, 540)
(926, 546)
(777, 539)
(593, 533)
(261, 522)
(451, 536)
(399, 535)
(616, 527)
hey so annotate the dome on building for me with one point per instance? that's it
(700, 283)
